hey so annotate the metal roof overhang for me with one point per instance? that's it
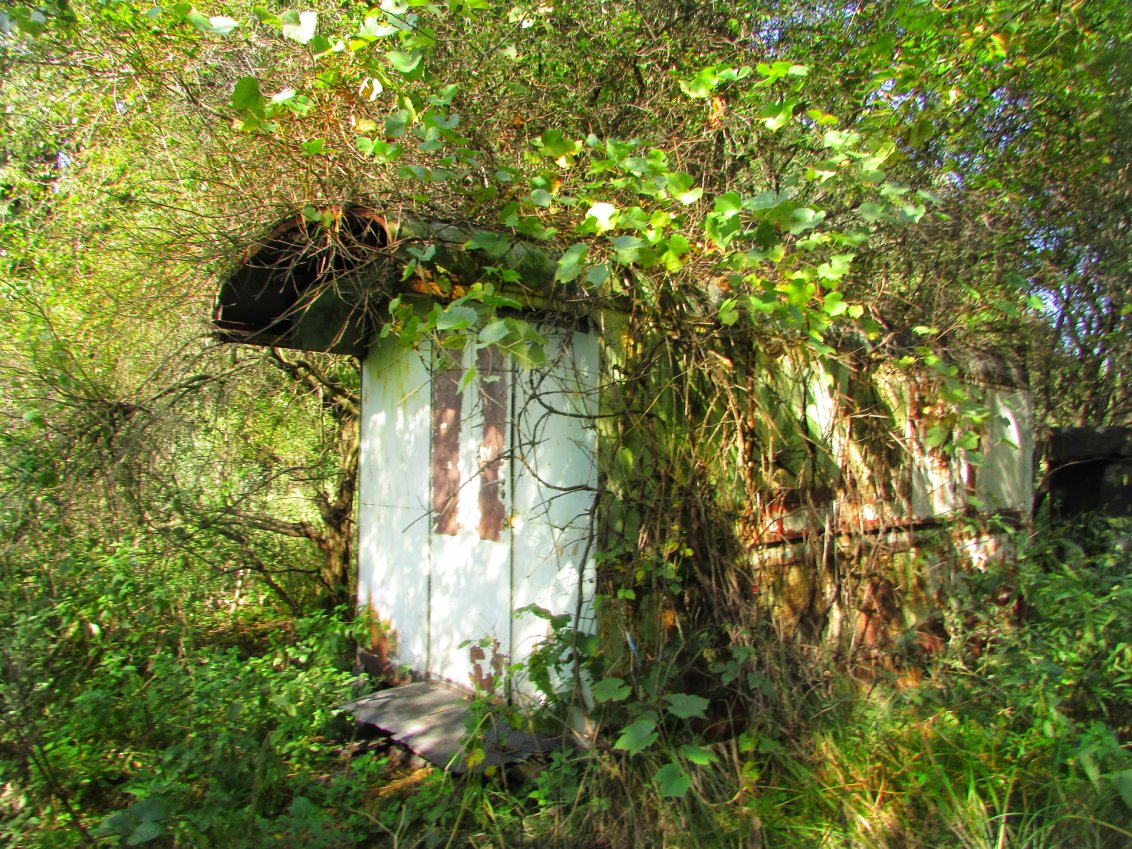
(320, 286)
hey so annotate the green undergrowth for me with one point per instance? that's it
(136, 712)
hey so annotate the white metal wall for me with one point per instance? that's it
(446, 594)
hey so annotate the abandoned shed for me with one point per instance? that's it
(512, 469)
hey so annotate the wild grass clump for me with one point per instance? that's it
(1017, 736)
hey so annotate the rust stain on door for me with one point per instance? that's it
(447, 401)
(493, 396)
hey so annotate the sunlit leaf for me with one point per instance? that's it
(571, 263)
(299, 26)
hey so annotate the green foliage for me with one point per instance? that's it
(135, 707)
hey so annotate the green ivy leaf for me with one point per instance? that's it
(702, 84)
(673, 781)
(698, 755)
(571, 263)
(406, 63)
(680, 187)
(629, 249)
(834, 304)
(610, 690)
(597, 275)
(554, 145)
(247, 97)
(457, 317)
(396, 124)
(969, 441)
(729, 312)
(638, 735)
(686, 706)
(775, 116)
(936, 436)
(215, 25)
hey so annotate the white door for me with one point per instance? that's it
(475, 502)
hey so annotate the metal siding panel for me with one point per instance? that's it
(555, 481)
(470, 576)
(1006, 481)
(393, 532)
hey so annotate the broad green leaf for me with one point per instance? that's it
(299, 26)
(680, 187)
(836, 268)
(775, 116)
(396, 124)
(457, 317)
(871, 211)
(145, 832)
(698, 755)
(1122, 783)
(701, 85)
(320, 44)
(969, 441)
(673, 781)
(728, 204)
(597, 275)
(803, 219)
(314, 147)
(494, 332)
(936, 436)
(721, 229)
(406, 63)
(638, 735)
(730, 75)
(729, 312)
(686, 706)
(913, 211)
(266, 18)
(553, 144)
(628, 249)
(493, 244)
(246, 96)
(765, 200)
(604, 218)
(215, 25)
(834, 304)
(571, 263)
(610, 690)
